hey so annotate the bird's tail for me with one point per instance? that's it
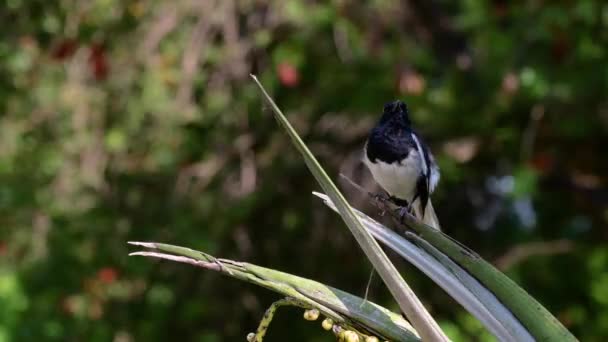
(429, 218)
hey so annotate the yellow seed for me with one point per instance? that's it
(327, 324)
(371, 339)
(250, 337)
(351, 336)
(311, 315)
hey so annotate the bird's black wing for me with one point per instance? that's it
(423, 183)
(422, 192)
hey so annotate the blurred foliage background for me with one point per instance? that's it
(136, 120)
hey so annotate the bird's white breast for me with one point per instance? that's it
(399, 178)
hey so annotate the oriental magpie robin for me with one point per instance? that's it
(401, 163)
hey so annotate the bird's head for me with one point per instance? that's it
(395, 113)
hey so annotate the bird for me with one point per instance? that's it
(401, 163)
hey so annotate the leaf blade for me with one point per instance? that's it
(536, 318)
(339, 305)
(481, 304)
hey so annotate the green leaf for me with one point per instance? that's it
(459, 284)
(340, 306)
(539, 321)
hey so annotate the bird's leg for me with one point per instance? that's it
(403, 207)
(404, 211)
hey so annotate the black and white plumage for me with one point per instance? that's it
(401, 163)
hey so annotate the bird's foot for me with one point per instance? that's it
(404, 210)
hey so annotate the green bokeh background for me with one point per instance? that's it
(136, 120)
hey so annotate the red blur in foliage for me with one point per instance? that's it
(542, 163)
(67, 305)
(501, 8)
(288, 74)
(65, 49)
(98, 62)
(107, 275)
(411, 83)
(3, 248)
(560, 47)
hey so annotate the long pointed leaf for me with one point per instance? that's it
(454, 280)
(338, 305)
(537, 319)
